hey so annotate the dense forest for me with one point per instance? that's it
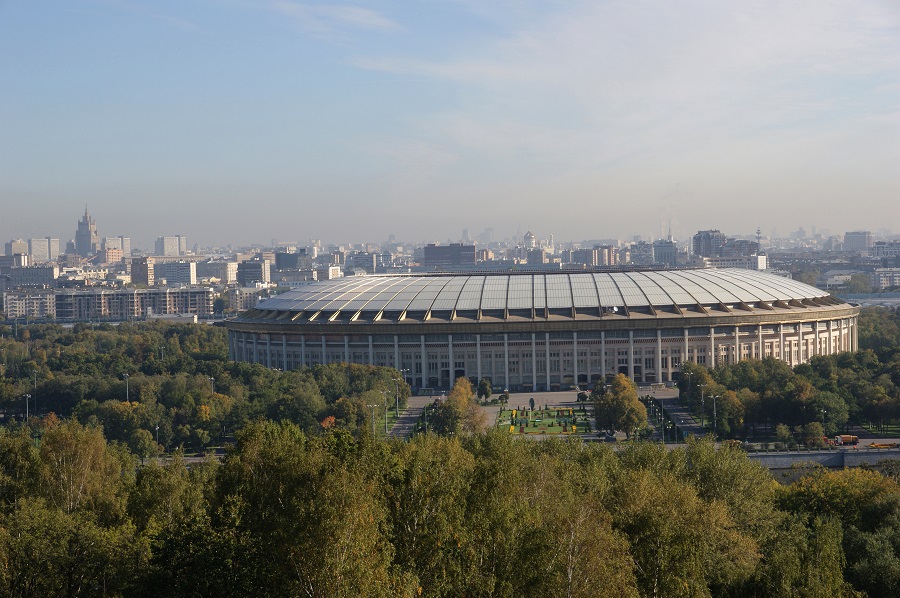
(306, 502)
(287, 514)
(174, 382)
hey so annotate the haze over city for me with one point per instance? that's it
(241, 121)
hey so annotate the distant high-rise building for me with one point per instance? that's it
(53, 245)
(181, 273)
(143, 271)
(16, 246)
(292, 261)
(87, 241)
(253, 272)
(448, 256)
(588, 257)
(860, 240)
(39, 250)
(176, 245)
(530, 240)
(664, 252)
(706, 243)
(225, 272)
(121, 243)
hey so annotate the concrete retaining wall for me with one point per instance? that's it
(835, 458)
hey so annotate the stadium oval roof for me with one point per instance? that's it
(537, 296)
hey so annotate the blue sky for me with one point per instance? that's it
(243, 120)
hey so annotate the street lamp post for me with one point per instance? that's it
(384, 396)
(212, 385)
(372, 407)
(702, 406)
(27, 397)
(127, 392)
(715, 419)
(34, 394)
(397, 395)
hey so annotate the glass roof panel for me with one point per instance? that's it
(559, 292)
(494, 295)
(609, 292)
(449, 295)
(797, 290)
(725, 289)
(630, 290)
(425, 299)
(470, 298)
(402, 299)
(368, 293)
(671, 287)
(692, 287)
(540, 291)
(748, 286)
(584, 291)
(652, 290)
(520, 291)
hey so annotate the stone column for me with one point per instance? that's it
(284, 359)
(371, 351)
(800, 346)
(478, 354)
(659, 356)
(575, 353)
(451, 362)
(684, 357)
(760, 354)
(396, 352)
(533, 363)
(737, 344)
(424, 364)
(602, 357)
(346, 349)
(781, 354)
(303, 350)
(547, 356)
(712, 347)
(630, 355)
(506, 357)
(323, 349)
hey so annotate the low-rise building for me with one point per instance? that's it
(34, 305)
(33, 276)
(885, 278)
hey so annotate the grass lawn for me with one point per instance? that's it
(544, 421)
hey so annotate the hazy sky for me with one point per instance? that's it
(242, 120)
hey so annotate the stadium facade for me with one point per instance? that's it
(545, 331)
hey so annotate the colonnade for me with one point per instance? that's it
(550, 360)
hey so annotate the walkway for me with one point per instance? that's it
(404, 426)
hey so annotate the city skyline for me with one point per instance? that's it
(239, 122)
(476, 237)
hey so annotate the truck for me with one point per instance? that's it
(842, 439)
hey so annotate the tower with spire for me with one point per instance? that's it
(87, 241)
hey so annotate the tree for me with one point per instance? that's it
(859, 283)
(79, 470)
(813, 435)
(459, 413)
(484, 389)
(783, 434)
(618, 408)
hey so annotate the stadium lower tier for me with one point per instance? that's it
(548, 358)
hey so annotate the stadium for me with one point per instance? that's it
(534, 331)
